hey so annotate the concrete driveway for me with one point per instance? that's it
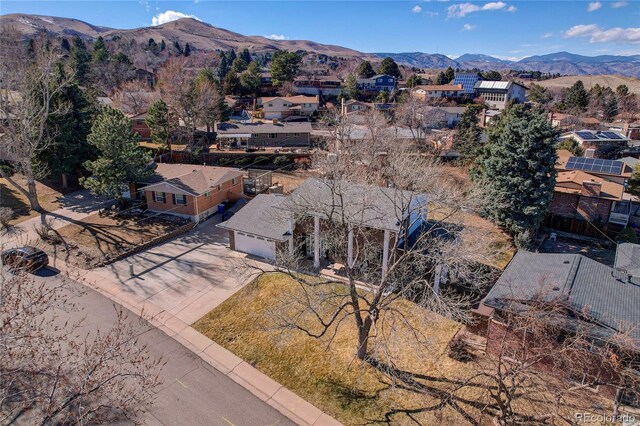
(187, 276)
(193, 392)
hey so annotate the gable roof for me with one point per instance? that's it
(189, 178)
(299, 99)
(440, 87)
(363, 205)
(261, 217)
(570, 182)
(603, 295)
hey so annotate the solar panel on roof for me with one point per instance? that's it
(611, 135)
(586, 136)
(596, 165)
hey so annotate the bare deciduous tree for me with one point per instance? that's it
(54, 370)
(134, 97)
(29, 87)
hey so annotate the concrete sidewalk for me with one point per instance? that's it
(268, 390)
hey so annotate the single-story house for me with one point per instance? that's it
(281, 107)
(191, 191)
(449, 116)
(259, 134)
(297, 223)
(569, 121)
(601, 140)
(600, 299)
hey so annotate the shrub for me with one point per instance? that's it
(261, 159)
(628, 235)
(281, 160)
(6, 214)
(302, 162)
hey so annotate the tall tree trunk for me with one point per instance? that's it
(363, 338)
(65, 180)
(33, 196)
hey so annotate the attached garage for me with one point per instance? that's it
(254, 245)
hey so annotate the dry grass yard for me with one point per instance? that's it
(16, 201)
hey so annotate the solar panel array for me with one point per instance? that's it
(587, 135)
(596, 165)
(468, 82)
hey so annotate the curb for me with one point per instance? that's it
(266, 389)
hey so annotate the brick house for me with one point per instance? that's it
(259, 134)
(190, 191)
(601, 300)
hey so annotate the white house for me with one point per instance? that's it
(498, 93)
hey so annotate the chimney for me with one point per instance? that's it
(591, 188)
(589, 153)
(274, 121)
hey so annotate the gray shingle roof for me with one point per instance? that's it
(262, 216)
(608, 297)
(364, 205)
(261, 128)
(628, 258)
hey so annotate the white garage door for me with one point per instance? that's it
(251, 245)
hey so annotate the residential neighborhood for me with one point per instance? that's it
(203, 227)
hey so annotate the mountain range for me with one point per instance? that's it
(205, 37)
(564, 63)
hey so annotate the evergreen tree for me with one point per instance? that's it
(100, 52)
(120, 161)
(231, 56)
(441, 78)
(449, 74)
(610, 108)
(69, 147)
(251, 81)
(223, 67)
(491, 76)
(176, 45)
(539, 95)
(633, 184)
(382, 97)
(159, 121)
(577, 98)
(365, 70)
(246, 56)
(66, 47)
(571, 145)
(238, 66)
(389, 67)
(466, 139)
(351, 89)
(187, 49)
(163, 45)
(516, 170)
(80, 59)
(284, 67)
(413, 81)
(232, 84)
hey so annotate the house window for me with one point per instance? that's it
(234, 181)
(180, 199)
(207, 194)
(270, 105)
(219, 187)
(273, 136)
(159, 197)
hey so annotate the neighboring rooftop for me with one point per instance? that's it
(261, 217)
(595, 166)
(495, 85)
(571, 182)
(192, 179)
(598, 292)
(596, 136)
(260, 128)
(440, 87)
(299, 99)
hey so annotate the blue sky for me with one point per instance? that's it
(506, 29)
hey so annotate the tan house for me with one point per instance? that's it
(190, 191)
(438, 91)
(288, 106)
(264, 135)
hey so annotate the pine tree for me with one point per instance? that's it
(65, 45)
(251, 81)
(163, 45)
(187, 49)
(351, 87)
(413, 81)
(610, 108)
(284, 67)
(577, 98)
(120, 159)
(176, 45)
(516, 170)
(449, 74)
(223, 67)
(246, 56)
(238, 66)
(80, 60)
(466, 139)
(389, 67)
(159, 121)
(231, 84)
(441, 78)
(365, 70)
(231, 56)
(100, 52)
(633, 184)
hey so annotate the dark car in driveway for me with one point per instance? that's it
(27, 258)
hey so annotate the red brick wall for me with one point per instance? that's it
(140, 127)
(169, 206)
(568, 205)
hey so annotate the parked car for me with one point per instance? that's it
(25, 258)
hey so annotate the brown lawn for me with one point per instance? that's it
(97, 238)
(48, 195)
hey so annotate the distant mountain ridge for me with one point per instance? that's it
(564, 63)
(206, 37)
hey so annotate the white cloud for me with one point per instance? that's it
(463, 9)
(619, 4)
(599, 35)
(278, 37)
(168, 16)
(416, 9)
(547, 35)
(593, 6)
(468, 27)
